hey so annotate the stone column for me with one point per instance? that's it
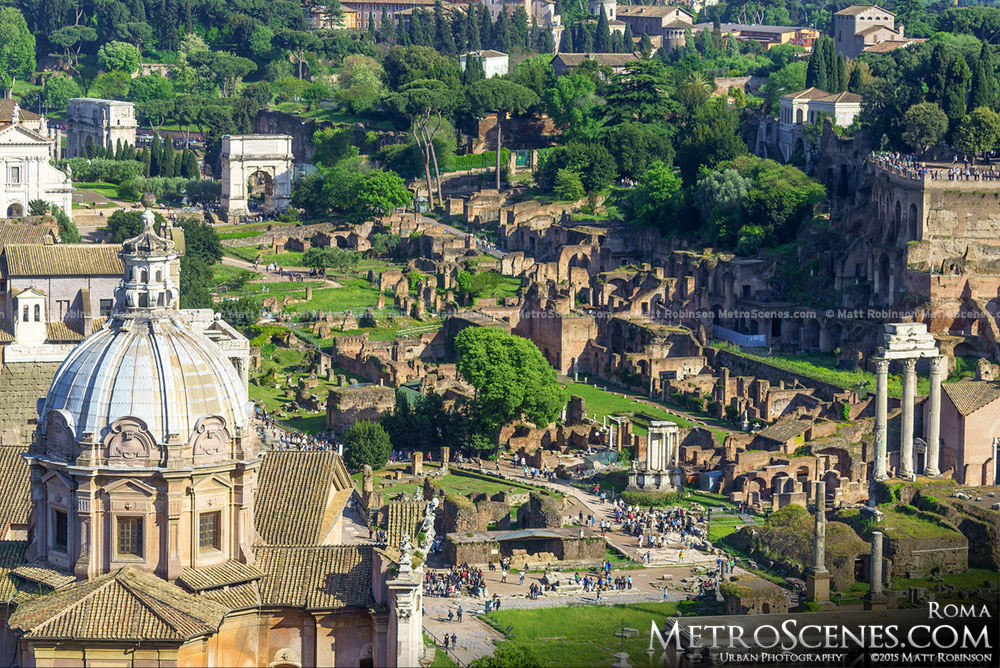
(875, 599)
(417, 463)
(819, 545)
(876, 563)
(938, 368)
(906, 436)
(881, 415)
(675, 443)
(817, 577)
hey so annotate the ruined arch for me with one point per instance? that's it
(265, 161)
(810, 334)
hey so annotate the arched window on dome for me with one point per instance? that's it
(161, 300)
(38, 313)
(159, 276)
(143, 276)
(144, 300)
(26, 312)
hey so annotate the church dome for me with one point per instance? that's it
(156, 369)
(148, 365)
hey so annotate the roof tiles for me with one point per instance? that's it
(316, 578)
(297, 501)
(62, 260)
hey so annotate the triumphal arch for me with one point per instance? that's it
(254, 165)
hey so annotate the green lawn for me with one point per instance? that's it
(601, 403)
(99, 187)
(584, 636)
(974, 578)
(904, 525)
(721, 527)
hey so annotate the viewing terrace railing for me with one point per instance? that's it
(746, 340)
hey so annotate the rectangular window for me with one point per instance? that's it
(130, 537)
(63, 308)
(15, 175)
(60, 533)
(106, 306)
(208, 531)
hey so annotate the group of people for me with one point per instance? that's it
(453, 581)
(282, 439)
(910, 167)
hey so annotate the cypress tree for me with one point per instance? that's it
(855, 83)
(546, 43)
(629, 39)
(444, 41)
(817, 69)
(616, 42)
(155, 156)
(602, 44)
(167, 166)
(502, 34)
(985, 91)
(645, 45)
(472, 29)
(146, 162)
(371, 34)
(485, 27)
(953, 102)
(190, 165)
(841, 75)
(585, 39)
(519, 27)
(566, 43)
(402, 35)
(458, 32)
(119, 151)
(473, 70)
(386, 29)
(937, 77)
(416, 29)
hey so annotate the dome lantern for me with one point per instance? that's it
(147, 283)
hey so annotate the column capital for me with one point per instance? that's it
(910, 364)
(939, 364)
(881, 365)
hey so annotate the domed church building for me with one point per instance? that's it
(161, 534)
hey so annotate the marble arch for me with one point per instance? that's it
(265, 158)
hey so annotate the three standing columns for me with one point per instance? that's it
(933, 431)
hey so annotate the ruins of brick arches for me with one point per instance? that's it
(254, 164)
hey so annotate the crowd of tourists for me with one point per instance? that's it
(279, 438)
(454, 581)
(910, 167)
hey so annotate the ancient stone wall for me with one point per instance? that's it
(347, 405)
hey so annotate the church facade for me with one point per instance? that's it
(160, 533)
(25, 172)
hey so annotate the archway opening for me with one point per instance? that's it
(260, 189)
(913, 222)
(15, 211)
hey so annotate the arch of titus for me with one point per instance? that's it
(908, 342)
(267, 158)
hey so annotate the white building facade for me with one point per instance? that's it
(25, 172)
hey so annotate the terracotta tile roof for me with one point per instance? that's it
(64, 331)
(808, 94)
(647, 10)
(297, 502)
(784, 429)
(126, 604)
(62, 260)
(844, 97)
(968, 396)
(15, 488)
(11, 556)
(887, 46)
(403, 517)
(854, 10)
(41, 572)
(22, 384)
(22, 234)
(7, 109)
(6, 330)
(316, 578)
(238, 597)
(229, 573)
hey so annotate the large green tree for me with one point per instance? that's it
(17, 48)
(925, 125)
(511, 378)
(424, 102)
(366, 444)
(979, 132)
(657, 198)
(639, 93)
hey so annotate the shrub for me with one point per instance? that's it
(367, 443)
(568, 185)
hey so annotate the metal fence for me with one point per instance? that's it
(746, 340)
